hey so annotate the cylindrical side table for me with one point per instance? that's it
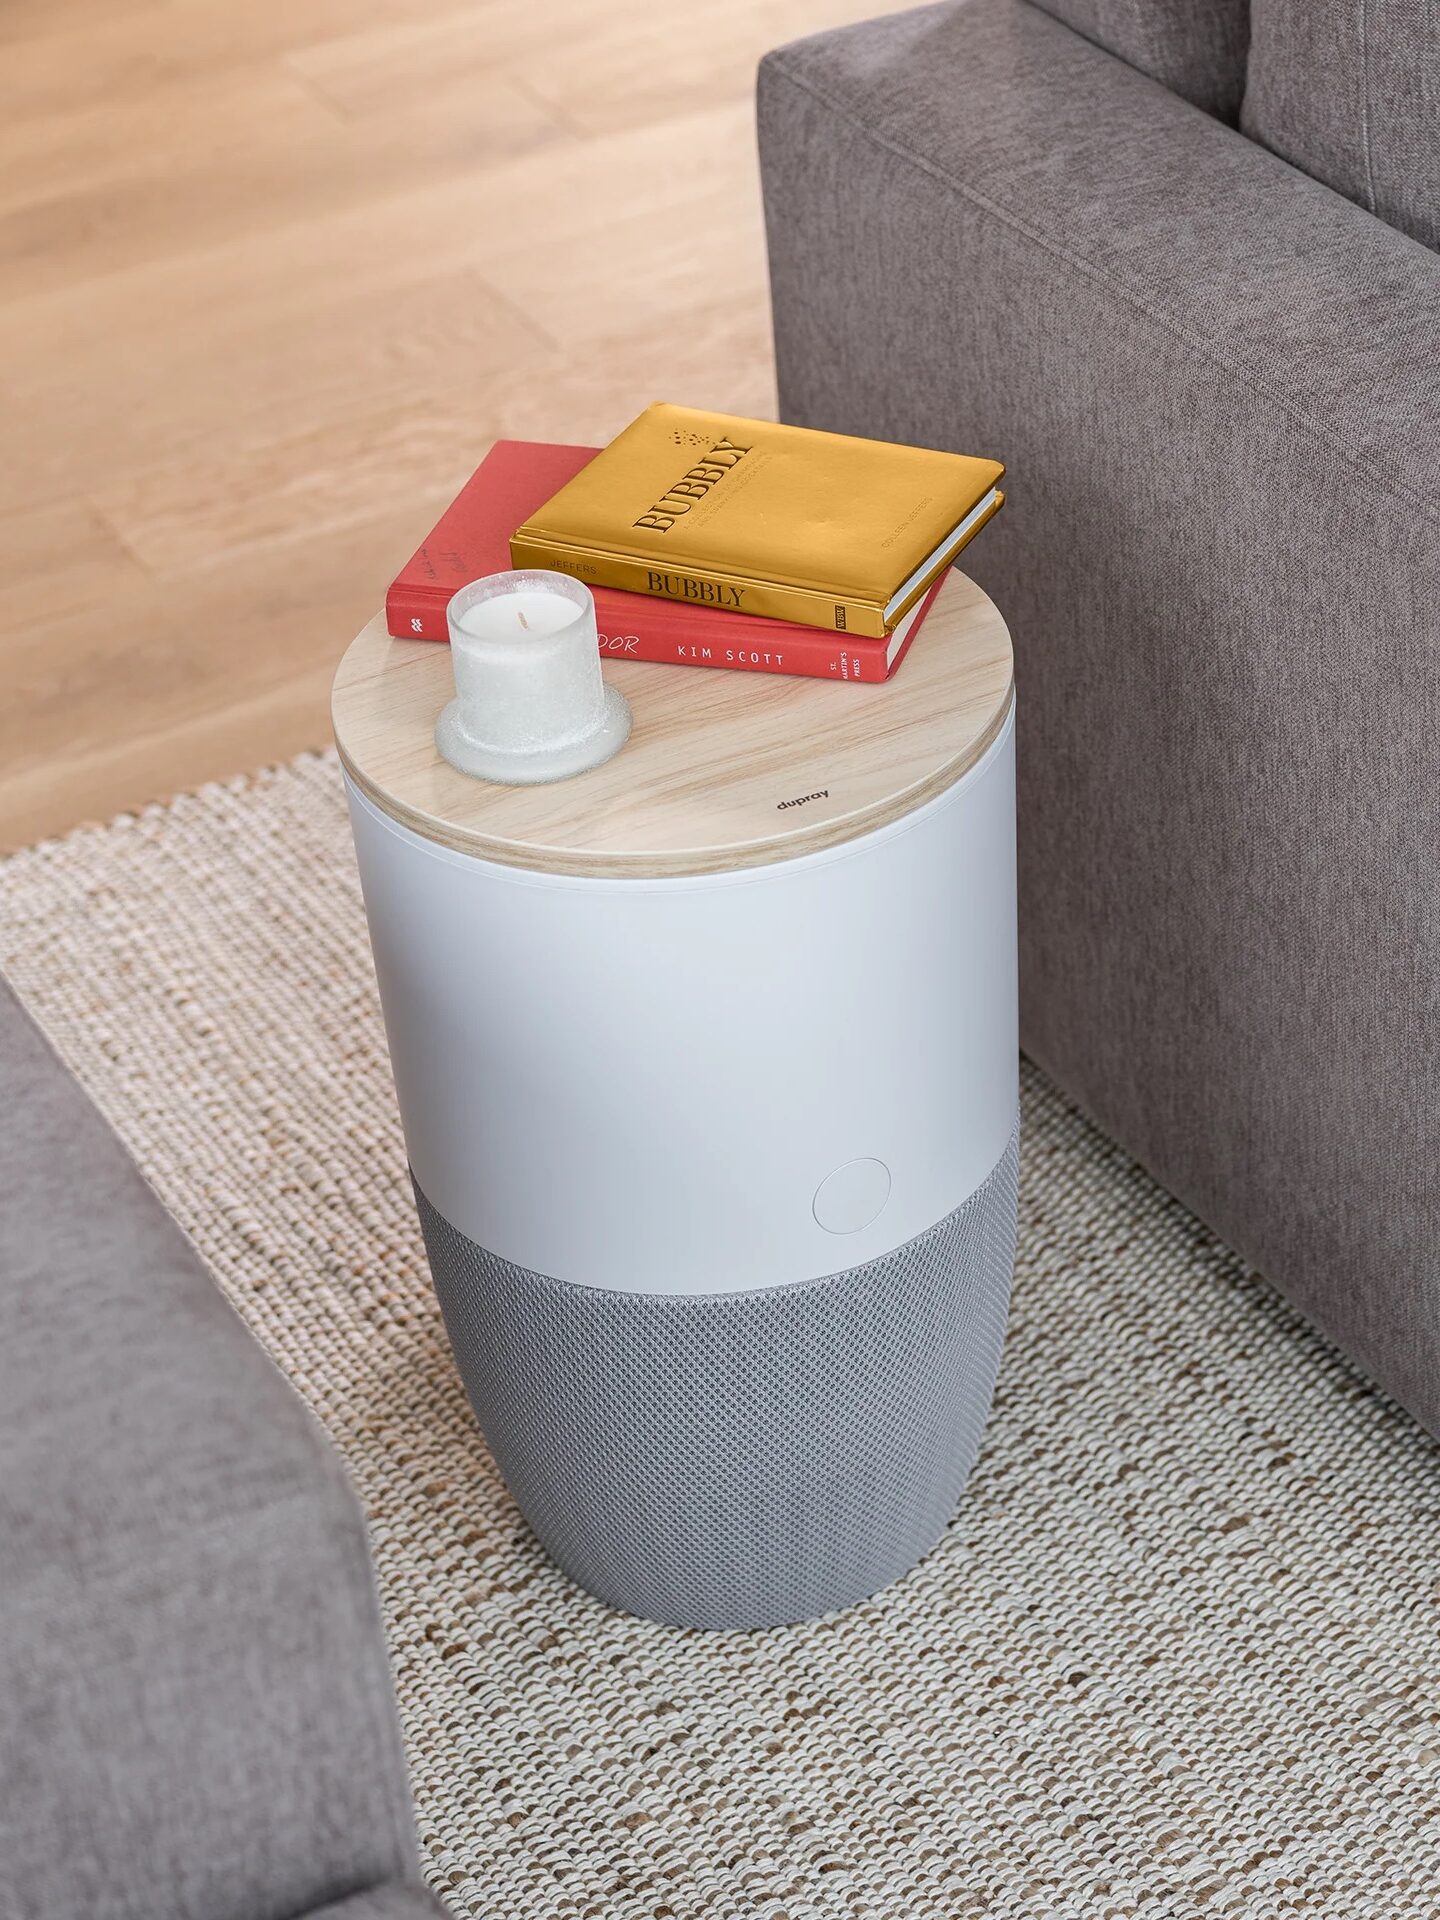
(707, 1063)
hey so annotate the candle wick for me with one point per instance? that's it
(520, 616)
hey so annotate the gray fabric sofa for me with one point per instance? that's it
(1145, 263)
(196, 1720)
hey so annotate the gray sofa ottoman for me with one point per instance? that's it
(196, 1716)
(1217, 383)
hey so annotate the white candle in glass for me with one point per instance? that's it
(530, 701)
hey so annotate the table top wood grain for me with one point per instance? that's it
(722, 770)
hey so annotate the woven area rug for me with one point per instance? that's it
(1178, 1655)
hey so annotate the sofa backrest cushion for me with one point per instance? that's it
(1350, 94)
(1194, 47)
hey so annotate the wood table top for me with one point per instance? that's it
(723, 768)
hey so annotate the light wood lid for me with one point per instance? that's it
(714, 757)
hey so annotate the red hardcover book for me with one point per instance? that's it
(472, 538)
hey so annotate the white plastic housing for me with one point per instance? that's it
(652, 1085)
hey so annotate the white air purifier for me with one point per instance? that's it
(707, 1064)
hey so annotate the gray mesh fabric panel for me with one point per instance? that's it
(739, 1459)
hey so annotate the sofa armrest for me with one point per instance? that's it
(195, 1705)
(1010, 137)
(1217, 386)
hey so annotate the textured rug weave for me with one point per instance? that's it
(1178, 1655)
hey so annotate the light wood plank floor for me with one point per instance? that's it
(273, 274)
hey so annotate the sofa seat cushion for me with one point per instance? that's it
(195, 1708)
(1196, 48)
(1351, 95)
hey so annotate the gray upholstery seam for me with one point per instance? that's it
(378, 1890)
(1365, 103)
(1121, 294)
(182, 1538)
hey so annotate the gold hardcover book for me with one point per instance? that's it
(819, 528)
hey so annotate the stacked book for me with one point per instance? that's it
(714, 541)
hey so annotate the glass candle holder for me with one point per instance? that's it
(530, 701)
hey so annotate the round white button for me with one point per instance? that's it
(850, 1198)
